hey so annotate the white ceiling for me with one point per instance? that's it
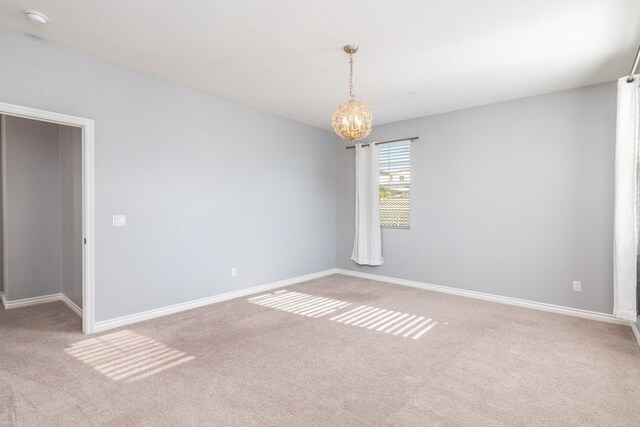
(285, 56)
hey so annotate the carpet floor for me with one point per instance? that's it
(335, 351)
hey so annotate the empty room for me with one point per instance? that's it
(320, 213)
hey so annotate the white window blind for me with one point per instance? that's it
(395, 183)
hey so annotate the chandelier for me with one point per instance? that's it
(352, 119)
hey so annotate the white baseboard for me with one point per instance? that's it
(585, 314)
(26, 302)
(72, 305)
(176, 308)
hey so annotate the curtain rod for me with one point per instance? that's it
(411, 139)
(634, 67)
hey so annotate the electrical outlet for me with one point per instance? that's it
(234, 272)
(577, 286)
(119, 220)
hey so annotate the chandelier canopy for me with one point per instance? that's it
(352, 119)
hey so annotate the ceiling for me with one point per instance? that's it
(285, 56)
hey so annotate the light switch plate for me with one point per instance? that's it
(119, 221)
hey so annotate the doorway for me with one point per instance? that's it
(75, 145)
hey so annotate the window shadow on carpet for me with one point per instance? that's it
(392, 322)
(127, 355)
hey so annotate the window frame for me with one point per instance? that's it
(407, 142)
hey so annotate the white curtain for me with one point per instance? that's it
(625, 245)
(367, 244)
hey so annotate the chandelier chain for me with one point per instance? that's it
(351, 76)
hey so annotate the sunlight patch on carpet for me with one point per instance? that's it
(299, 303)
(388, 321)
(126, 355)
(392, 322)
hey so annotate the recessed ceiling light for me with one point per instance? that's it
(35, 16)
(411, 92)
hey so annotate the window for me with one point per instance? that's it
(394, 180)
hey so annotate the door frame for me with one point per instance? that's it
(88, 198)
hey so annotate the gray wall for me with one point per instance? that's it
(513, 199)
(71, 212)
(32, 190)
(206, 184)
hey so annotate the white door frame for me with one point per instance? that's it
(88, 208)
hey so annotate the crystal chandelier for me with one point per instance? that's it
(352, 119)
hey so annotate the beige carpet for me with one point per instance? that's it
(266, 362)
